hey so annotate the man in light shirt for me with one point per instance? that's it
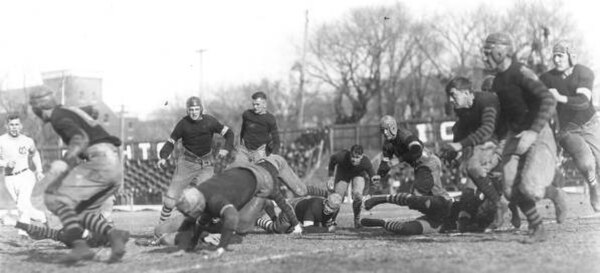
(15, 150)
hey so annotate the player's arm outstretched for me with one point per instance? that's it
(334, 160)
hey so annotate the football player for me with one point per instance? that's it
(350, 167)
(196, 132)
(312, 211)
(571, 85)
(225, 194)
(526, 106)
(77, 189)
(259, 135)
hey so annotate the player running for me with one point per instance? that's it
(571, 85)
(78, 188)
(350, 168)
(195, 163)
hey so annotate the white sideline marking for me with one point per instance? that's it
(245, 262)
(594, 215)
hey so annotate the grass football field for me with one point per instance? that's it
(573, 246)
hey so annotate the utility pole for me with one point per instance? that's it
(201, 70)
(62, 88)
(122, 137)
(302, 71)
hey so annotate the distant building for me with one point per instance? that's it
(82, 89)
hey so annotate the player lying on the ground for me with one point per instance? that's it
(312, 211)
(435, 209)
(223, 195)
(472, 213)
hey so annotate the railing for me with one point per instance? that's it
(144, 182)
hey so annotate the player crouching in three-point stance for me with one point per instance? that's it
(225, 194)
(351, 167)
(427, 194)
(78, 188)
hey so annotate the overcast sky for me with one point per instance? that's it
(147, 50)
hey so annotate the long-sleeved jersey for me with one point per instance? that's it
(477, 123)
(405, 146)
(197, 136)
(579, 108)
(345, 170)
(525, 103)
(258, 130)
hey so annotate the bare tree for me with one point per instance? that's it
(360, 56)
(535, 27)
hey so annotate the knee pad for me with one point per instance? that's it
(357, 196)
(411, 228)
(169, 202)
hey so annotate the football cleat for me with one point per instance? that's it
(118, 239)
(81, 251)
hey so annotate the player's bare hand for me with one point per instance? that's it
(162, 163)
(554, 92)
(297, 230)
(375, 179)
(39, 176)
(223, 153)
(456, 146)
(331, 228)
(330, 184)
(526, 139)
(10, 164)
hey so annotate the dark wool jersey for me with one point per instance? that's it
(218, 190)
(197, 135)
(345, 170)
(479, 217)
(258, 130)
(406, 147)
(311, 209)
(70, 121)
(525, 102)
(578, 109)
(476, 124)
(233, 188)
